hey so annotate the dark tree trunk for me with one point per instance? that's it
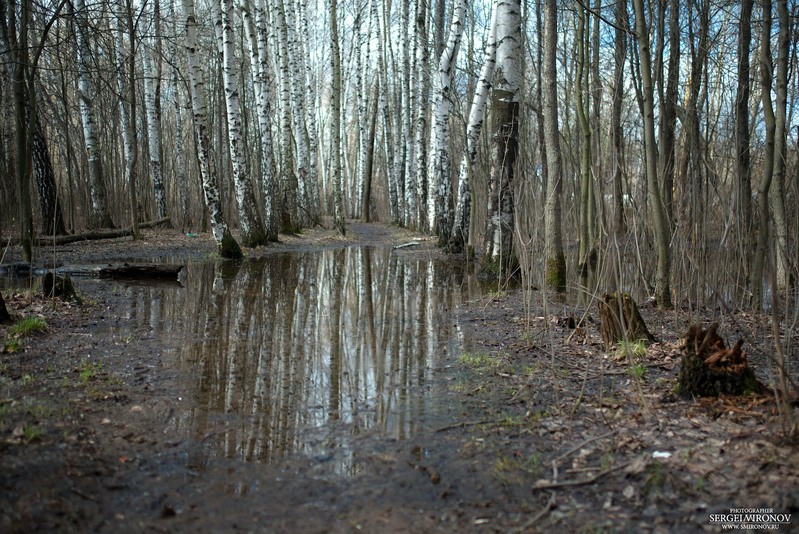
(52, 216)
(5, 317)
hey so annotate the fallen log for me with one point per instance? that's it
(710, 369)
(44, 241)
(620, 320)
(140, 271)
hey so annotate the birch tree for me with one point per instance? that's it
(251, 224)
(504, 143)
(153, 131)
(254, 18)
(335, 123)
(226, 243)
(100, 216)
(460, 229)
(440, 203)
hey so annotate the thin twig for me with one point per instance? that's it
(572, 483)
(462, 424)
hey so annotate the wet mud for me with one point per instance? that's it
(332, 384)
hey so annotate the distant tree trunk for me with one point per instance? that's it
(766, 80)
(460, 228)
(617, 139)
(660, 223)
(587, 210)
(440, 203)
(153, 132)
(778, 191)
(366, 195)
(335, 123)
(505, 141)
(227, 245)
(126, 98)
(668, 112)
(101, 217)
(250, 222)
(555, 262)
(742, 138)
(130, 126)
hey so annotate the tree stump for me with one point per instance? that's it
(58, 286)
(5, 317)
(620, 320)
(709, 368)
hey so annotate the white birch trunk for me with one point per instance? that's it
(409, 98)
(251, 225)
(421, 110)
(255, 30)
(439, 204)
(288, 178)
(460, 228)
(153, 132)
(124, 121)
(296, 72)
(335, 126)
(100, 216)
(312, 187)
(180, 163)
(504, 144)
(227, 245)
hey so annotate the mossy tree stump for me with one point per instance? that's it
(620, 320)
(709, 368)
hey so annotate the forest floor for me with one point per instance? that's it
(542, 429)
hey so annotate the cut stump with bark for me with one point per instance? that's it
(620, 320)
(59, 286)
(710, 369)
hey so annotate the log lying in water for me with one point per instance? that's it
(709, 368)
(140, 271)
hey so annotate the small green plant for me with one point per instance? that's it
(31, 433)
(27, 326)
(637, 371)
(26, 379)
(635, 349)
(11, 346)
(479, 360)
(88, 371)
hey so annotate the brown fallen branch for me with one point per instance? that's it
(710, 369)
(44, 241)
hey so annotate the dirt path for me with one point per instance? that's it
(543, 432)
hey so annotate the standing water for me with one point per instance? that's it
(301, 352)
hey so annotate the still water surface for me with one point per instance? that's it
(300, 352)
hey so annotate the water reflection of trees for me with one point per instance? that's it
(298, 352)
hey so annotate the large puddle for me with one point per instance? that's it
(302, 352)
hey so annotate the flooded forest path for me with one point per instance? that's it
(352, 384)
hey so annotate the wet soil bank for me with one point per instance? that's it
(539, 429)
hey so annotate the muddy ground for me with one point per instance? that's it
(541, 429)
